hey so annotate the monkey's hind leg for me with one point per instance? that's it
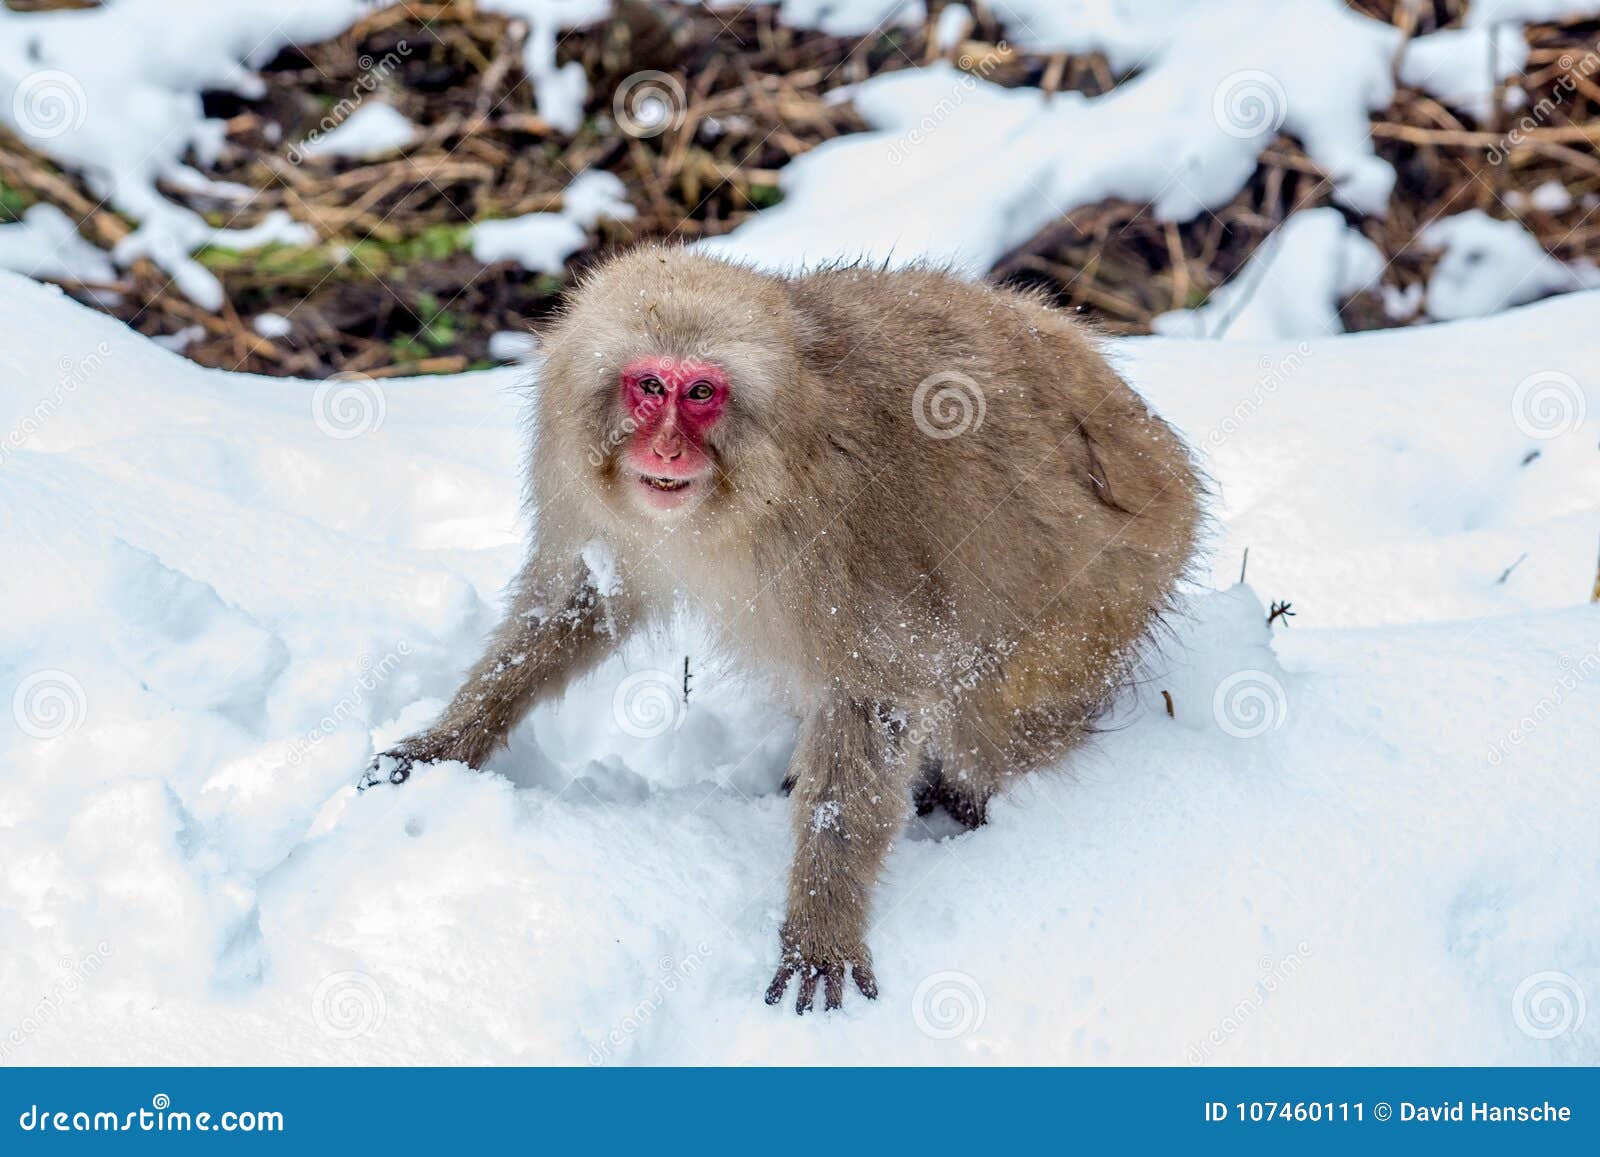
(992, 742)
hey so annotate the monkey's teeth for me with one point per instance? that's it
(665, 483)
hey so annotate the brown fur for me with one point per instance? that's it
(948, 611)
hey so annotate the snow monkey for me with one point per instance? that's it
(928, 507)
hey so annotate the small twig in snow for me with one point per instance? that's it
(1505, 574)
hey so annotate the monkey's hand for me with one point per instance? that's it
(394, 766)
(814, 963)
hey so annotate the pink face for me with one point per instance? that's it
(674, 404)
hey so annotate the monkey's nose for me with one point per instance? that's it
(668, 448)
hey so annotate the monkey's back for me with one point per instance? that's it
(1039, 502)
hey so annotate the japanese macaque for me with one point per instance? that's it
(929, 507)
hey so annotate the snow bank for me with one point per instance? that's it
(1292, 286)
(1367, 838)
(1488, 265)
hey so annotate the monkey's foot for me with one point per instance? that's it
(831, 972)
(968, 809)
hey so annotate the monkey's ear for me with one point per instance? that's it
(1099, 476)
(1118, 455)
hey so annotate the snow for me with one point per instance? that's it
(1551, 197)
(1488, 265)
(46, 244)
(543, 241)
(1377, 817)
(510, 346)
(955, 22)
(1462, 66)
(1482, 12)
(272, 325)
(371, 131)
(1292, 286)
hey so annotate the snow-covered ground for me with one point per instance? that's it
(1370, 837)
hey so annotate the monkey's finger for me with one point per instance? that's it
(808, 991)
(779, 983)
(833, 988)
(865, 981)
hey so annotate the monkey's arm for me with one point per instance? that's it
(558, 627)
(851, 794)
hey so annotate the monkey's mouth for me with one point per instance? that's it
(666, 495)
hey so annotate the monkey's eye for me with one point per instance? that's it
(700, 392)
(651, 386)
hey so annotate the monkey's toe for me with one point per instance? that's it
(830, 973)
